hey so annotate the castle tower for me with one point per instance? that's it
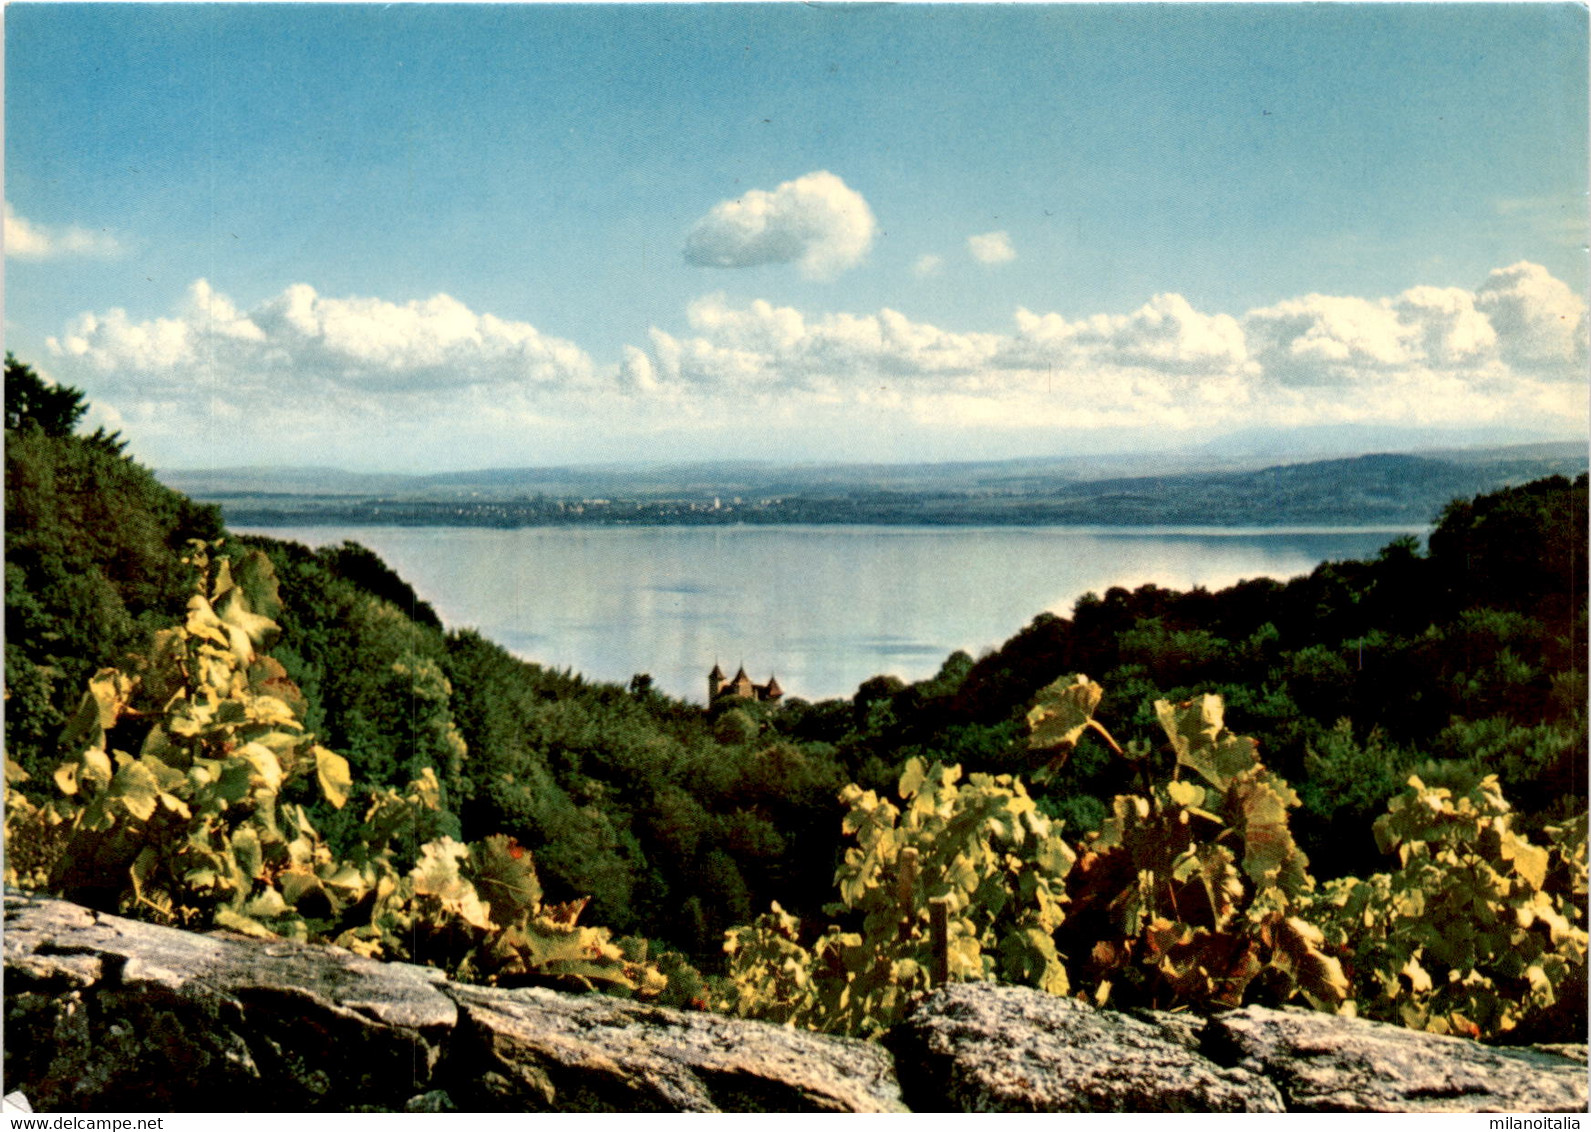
(715, 683)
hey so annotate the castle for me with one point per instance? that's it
(741, 687)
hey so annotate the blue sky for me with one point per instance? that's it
(437, 237)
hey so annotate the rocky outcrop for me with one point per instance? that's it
(538, 1050)
(105, 1013)
(984, 1048)
(979, 1047)
(1324, 1063)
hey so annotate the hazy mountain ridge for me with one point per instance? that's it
(1380, 488)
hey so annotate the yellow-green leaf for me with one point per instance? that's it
(335, 777)
(236, 921)
(136, 787)
(1197, 732)
(1063, 711)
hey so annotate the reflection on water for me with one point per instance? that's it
(822, 607)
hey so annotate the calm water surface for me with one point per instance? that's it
(821, 607)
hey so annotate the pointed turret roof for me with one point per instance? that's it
(716, 674)
(773, 688)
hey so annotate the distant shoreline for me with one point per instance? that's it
(248, 525)
(1399, 492)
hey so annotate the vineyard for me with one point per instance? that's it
(1361, 792)
(1191, 893)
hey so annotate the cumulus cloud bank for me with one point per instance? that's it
(301, 336)
(29, 241)
(315, 371)
(435, 381)
(1512, 351)
(817, 222)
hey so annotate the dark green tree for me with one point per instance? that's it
(30, 403)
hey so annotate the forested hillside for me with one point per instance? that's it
(680, 822)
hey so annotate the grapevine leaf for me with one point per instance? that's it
(246, 851)
(296, 883)
(254, 575)
(1298, 950)
(1258, 805)
(143, 870)
(335, 778)
(1419, 979)
(203, 623)
(565, 914)
(267, 905)
(92, 768)
(98, 710)
(437, 875)
(505, 876)
(1064, 710)
(265, 768)
(238, 922)
(136, 788)
(1197, 733)
(1530, 861)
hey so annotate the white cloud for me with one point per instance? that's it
(770, 346)
(817, 222)
(1165, 334)
(312, 378)
(1522, 324)
(29, 241)
(1539, 321)
(636, 371)
(1328, 339)
(341, 373)
(1428, 356)
(927, 265)
(991, 248)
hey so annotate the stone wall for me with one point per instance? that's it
(103, 1013)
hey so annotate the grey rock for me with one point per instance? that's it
(979, 1047)
(1328, 1063)
(103, 1012)
(1574, 1051)
(536, 1050)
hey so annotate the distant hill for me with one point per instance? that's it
(1377, 489)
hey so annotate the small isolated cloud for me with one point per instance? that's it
(817, 222)
(927, 265)
(29, 241)
(991, 247)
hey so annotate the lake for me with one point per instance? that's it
(821, 607)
